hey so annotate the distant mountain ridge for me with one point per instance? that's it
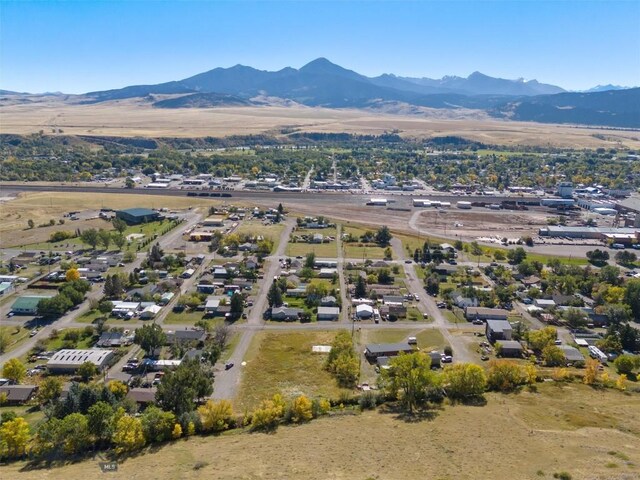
(321, 83)
(289, 82)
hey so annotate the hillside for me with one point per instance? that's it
(322, 83)
(618, 108)
(591, 435)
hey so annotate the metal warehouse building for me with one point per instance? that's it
(69, 360)
(597, 233)
(135, 216)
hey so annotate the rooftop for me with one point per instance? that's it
(138, 212)
(28, 302)
(498, 325)
(72, 357)
(17, 393)
(388, 347)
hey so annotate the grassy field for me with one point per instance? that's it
(31, 414)
(358, 250)
(256, 227)
(136, 117)
(283, 363)
(548, 432)
(411, 242)
(322, 250)
(15, 336)
(186, 318)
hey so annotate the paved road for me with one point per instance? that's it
(228, 381)
(344, 312)
(427, 305)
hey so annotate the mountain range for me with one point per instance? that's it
(322, 83)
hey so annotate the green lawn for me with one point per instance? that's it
(322, 250)
(91, 315)
(15, 336)
(363, 251)
(454, 316)
(32, 414)
(57, 343)
(282, 362)
(186, 318)
(231, 346)
(414, 315)
(430, 339)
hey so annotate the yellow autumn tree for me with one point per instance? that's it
(72, 275)
(531, 372)
(590, 371)
(301, 410)
(118, 388)
(621, 382)
(215, 416)
(177, 431)
(128, 435)
(268, 414)
(14, 437)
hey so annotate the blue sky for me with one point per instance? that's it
(79, 46)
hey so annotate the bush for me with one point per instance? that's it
(301, 410)
(562, 476)
(505, 375)
(368, 401)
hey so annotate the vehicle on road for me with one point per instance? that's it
(228, 366)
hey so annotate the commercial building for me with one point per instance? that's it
(565, 189)
(498, 330)
(482, 313)
(136, 216)
(510, 348)
(214, 221)
(594, 233)
(375, 350)
(69, 360)
(631, 205)
(28, 304)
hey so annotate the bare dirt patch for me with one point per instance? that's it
(479, 222)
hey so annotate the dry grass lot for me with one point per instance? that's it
(136, 117)
(42, 206)
(529, 436)
(282, 362)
